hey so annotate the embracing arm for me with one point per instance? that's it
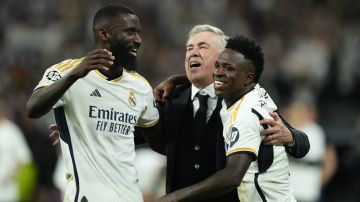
(219, 183)
(165, 88)
(152, 135)
(281, 132)
(43, 99)
(301, 144)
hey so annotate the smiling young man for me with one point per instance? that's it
(98, 100)
(245, 103)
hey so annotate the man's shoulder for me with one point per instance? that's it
(137, 78)
(180, 89)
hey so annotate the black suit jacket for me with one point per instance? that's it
(172, 115)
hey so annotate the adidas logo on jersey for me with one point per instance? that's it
(96, 93)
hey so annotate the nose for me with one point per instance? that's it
(218, 71)
(137, 39)
(194, 52)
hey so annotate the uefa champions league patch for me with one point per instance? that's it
(53, 76)
(234, 136)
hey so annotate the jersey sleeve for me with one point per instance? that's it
(245, 135)
(150, 115)
(52, 75)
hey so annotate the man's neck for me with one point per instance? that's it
(113, 72)
(201, 86)
(237, 96)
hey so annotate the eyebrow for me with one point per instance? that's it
(198, 44)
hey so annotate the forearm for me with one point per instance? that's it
(152, 135)
(179, 79)
(42, 100)
(219, 183)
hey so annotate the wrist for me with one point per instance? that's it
(292, 142)
(73, 76)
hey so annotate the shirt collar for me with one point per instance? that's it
(208, 90)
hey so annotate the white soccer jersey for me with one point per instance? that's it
(96, 118)
(242, 134)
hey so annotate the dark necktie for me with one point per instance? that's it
(200, 116)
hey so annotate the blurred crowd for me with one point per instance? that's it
(311, 57)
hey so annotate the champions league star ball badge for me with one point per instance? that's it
(132, 99)
(53, 76)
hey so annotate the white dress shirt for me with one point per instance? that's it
(211, 103)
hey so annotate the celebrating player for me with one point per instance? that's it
(98, 100)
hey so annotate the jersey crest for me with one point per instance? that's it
(132, 98)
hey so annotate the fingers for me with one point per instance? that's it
(271, 140)
(272, 122)
(165, 95)
(267, 139)
(161, 93)
(157, 94)
(56, 142)
(275, 116)
(98, 67)
(269, 131)
(53, 127)
(100, 57)
(269, 122)
(54, 134)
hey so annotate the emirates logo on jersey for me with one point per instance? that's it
(132, 99)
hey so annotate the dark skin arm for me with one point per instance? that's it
(164, 89)
(43, 99)
(219, 183)
(152, 135)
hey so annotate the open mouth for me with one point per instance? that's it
(195, 64)
(133, 51)
(219, 84)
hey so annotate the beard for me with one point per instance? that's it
(122, 55)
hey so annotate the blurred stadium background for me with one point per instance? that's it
(311, 47)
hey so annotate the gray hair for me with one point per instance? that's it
(208, 28)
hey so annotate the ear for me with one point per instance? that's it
(103, 35)
(249, 78)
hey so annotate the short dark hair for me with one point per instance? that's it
(109, 12)
(250, 50)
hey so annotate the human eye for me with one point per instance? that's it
(131, 31)
(203, 45)
(228, 67)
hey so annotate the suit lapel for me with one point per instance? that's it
(179, 105)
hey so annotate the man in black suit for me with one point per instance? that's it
(194, 145)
